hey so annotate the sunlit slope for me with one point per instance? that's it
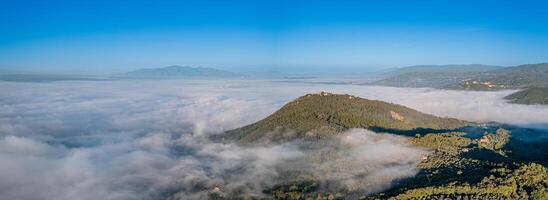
(315, 116)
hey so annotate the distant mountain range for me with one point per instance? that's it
(469, 77)
(180, 71)
(437, 76)
(518, 77)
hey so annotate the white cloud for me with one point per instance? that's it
(146, 139)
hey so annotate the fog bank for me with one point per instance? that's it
(147, 139)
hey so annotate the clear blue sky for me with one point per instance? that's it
(113, 36)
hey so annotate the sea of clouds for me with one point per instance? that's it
(148, 139)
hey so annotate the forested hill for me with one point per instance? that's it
(315, 116)
(523, 76)
(436, 76)
(529, 96)
(469, 77)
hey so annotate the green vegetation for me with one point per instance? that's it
(469, 77)
(529, 181)
(484, 168)
(452, 158)
(497, 165)
(457, 167)
(534, 95)
(436, 76)
(445, 148)
(449, 143)
(523, 76)
(317, 116)
(303, 190)
(495, 141)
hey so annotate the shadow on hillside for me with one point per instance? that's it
(527, 151)
(483, 161)
(421, 131)
(463, 172)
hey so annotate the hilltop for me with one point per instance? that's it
(180, 71)
(316, 116)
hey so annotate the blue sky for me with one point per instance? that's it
(114, 36)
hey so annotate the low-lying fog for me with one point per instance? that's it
(147, 139)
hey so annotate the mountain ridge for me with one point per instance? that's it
(441, 68)
(529, 96)
(437, 76)
(516, 77)
(468, 77)
(180, 71)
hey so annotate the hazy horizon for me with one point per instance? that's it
(283, 99)
(104, 37)
(289, 70)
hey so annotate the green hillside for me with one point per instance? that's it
(469, 77)
(523, 76)
(529, 181)
(459, 163)
(494, 166)
(436, 76)
(534, 95)
(315, 116)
